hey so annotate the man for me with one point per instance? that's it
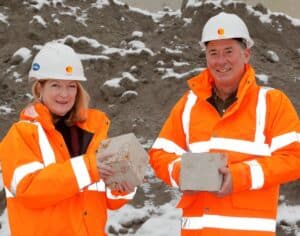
(225, 111)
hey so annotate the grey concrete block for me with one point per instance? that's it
(130, 162)
(199, 171)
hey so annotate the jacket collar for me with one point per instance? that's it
(38, 112)
(202, 84)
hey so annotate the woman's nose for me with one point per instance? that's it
(63, 92)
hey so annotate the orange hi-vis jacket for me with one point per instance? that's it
(259, 132)
(48, 192)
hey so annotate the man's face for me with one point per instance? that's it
(226, 61)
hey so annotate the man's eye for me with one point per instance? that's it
(73, 86)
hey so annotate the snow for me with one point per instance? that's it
(178, 64)
(273, 56)
(3, 18)
(92, 42)
(187, 21)
(137, 34)
(86, 57)
(129, 76)
(129, 92)
(264, 18)
(40, 3)
(17, 77)
(172, 51)
(194, 3)
(4, 230)
(24, 53)
(166, 218)
(39, 20)
(5, 110)
(263, 78)
(115, 82)
(170, 73)
(100, 3)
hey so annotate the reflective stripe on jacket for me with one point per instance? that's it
(260, 133)
(49, 193)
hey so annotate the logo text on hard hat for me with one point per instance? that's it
(36, 66)
(221, 31)
(69, 69)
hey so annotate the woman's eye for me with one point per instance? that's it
(73, 86)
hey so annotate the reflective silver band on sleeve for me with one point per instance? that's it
(168, 146)
(45, 147)
(128, 196)
(235, 145)
(170, 169)
(228, 222)
(257, 174)
(284, 140)
(261, 109)
(186, 115)
(81, 172)
(98, 186)
(21, 172)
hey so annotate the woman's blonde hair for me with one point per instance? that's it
(79, 111)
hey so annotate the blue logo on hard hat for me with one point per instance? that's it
(36, 66)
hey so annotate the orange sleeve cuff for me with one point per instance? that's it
(176, 172)
(240, 174)
(90, 161)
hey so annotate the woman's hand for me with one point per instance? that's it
(124, 187)
(105, 170)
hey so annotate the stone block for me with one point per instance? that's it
(130, 162)
(199, 171)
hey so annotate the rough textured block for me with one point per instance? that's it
(199, 171)
(129, 163)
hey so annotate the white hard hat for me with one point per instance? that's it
(225, 26)
(56, 61)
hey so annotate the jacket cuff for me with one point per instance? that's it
(240, 174)
(176, 172)
(90, 161)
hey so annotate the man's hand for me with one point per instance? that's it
(226, 187)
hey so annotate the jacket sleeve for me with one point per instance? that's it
(116, 199)
(27, 177)
(282, 133)
(165, 154)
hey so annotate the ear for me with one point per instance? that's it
(38, 89)
(247, 55)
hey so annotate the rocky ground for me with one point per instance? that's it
(172, 41)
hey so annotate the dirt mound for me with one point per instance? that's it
(159, 51)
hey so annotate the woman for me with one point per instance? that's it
(53, 178)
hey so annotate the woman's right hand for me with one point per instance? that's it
(105, 170)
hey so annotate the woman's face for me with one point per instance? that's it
(58, 95)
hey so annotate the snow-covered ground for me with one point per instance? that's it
(165, 219)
